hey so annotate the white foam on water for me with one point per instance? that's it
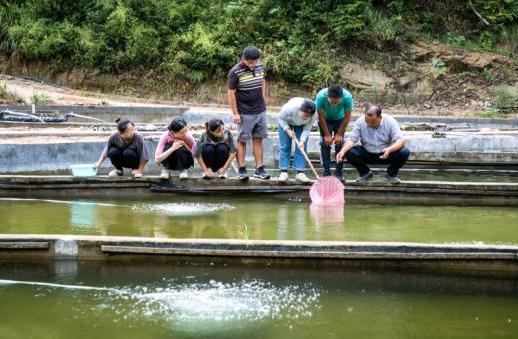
(64, 202)
(204, 307)
(198, 306)
(184, 209)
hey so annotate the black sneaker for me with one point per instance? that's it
(326, 173)
(261, 173)
(242, 175)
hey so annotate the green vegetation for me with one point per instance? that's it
(488, 113)
(197, 40)
(506, 97)
(39, 99)
(438, 68)
(7, 97)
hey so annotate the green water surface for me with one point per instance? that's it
(143, 300)
(259, 218)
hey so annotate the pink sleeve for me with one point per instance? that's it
(193, 144)
(160, 146)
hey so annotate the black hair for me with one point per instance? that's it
(122, 124)
(308, 106)
(335, 91)
(251, 53)
(214, 124)
(368, 106)
(177, 125)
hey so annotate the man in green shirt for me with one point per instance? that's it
(334, 107)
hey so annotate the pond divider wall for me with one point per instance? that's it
(407, 192)
(473, 257)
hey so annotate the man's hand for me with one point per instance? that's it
(300, 144)
(97, 165)
(328, 140)
(337, 140)
(340, 156)
(386, 153)
(237, 118)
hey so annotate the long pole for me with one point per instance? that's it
(301, 149)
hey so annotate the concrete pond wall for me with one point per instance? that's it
(454, 147)
(484, 258)
(58, 156)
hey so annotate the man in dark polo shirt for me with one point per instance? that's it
(246, 96)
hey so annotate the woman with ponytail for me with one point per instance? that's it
(126, 148)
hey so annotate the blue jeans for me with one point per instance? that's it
(285, 150)
(325, 151)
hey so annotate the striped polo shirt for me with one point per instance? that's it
(248, 84)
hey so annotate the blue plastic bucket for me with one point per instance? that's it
(86, 170)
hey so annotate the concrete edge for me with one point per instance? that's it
(134, 241)
(154, 179)
(468, 258)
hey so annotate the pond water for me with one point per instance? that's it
(72, 299)
(259, 218)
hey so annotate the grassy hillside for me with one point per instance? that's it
(306, 43)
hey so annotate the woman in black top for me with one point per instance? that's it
(216, 150)
(126, 148)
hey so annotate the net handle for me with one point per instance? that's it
(301, 149)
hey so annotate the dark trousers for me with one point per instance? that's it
(359, 157)
(179, 160)
(127, 158)
(215, 156)
(325, 151)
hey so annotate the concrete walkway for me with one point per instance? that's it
(321, 253)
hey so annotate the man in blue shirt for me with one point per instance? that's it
(334, 106)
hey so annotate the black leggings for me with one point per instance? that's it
(127, 158)
(179, 160)
(215, 156)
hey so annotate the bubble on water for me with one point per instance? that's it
(350, 309)
(184, 209)
(192, 306)
(215, 304)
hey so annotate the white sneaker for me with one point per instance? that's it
(302, 177)
(223, 175)
(164, 173)
(115, 173)
(283, 176)
(184, 174)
